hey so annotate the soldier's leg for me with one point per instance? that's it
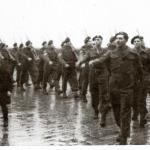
(135, 102)
(18, 78)
(40, 76)
(142, 107)
(5, 114)
(24, 75)
(85, 82)
(73, 82)
(125, 101)
(104, 100)
(115, 102)
(47, 72)
(56, 79)
(80, 81)
(94, 91)
(65, 74)
(34, 73)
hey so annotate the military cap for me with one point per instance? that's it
(50, 42)
(112, 39)
(28, 43)
(136, 37)
(67, 40)
(124, 34)
(44, 43)
(2, 45)
(15, 44)
(21, 45)
(87, 39)
(97, 36)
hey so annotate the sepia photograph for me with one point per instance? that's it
(74, 73)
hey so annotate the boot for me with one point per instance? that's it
(64, 95)
(76, 95)
(123, 141)
(58, 92)
(96, 115)
(22, 88)
(103, 120)
(37, 87)
(5, 121)
(118, 138)
(45, 92)
(84, 99)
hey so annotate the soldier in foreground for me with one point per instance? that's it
(6, 86)
(123, 65)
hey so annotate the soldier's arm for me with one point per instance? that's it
(139, 67)
(104, 58)
(23, 54)
(83, 58)
(61, 60)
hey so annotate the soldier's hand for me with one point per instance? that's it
(8, 93)
(45, 54)
(50, 62)
(29, 59)
(91, 63)
(66, 65)
(83, 65)
(19, 64)
(77, 64)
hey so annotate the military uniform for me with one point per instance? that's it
(123, 65)
(14, 52)
(84, 73)
(142, 88)
(7, 59)
(6, 85)
(68, 56)
(51, 68)
(98, 77)
(29, 66)
(42, 52)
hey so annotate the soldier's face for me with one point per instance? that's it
(51, 46)
(89, 43)
(120, 40)
(68, 43)
(45, 45)
(137, 43)
(98, 41)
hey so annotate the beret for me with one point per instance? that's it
(28, 43)
(97, 36)
(87, 39)
(136, 37)
(50, 42)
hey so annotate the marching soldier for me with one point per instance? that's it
(84, 69)
(14, 52)
(42, 53)
(30, 57)
(141, 89)
(98, 77)
(123, 65)
(51, 67)
(6, 86)
(68, 58)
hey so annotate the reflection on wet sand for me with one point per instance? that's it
(36, 119)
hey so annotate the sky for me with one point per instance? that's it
(40, 20)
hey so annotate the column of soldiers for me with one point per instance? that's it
(118, 77)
